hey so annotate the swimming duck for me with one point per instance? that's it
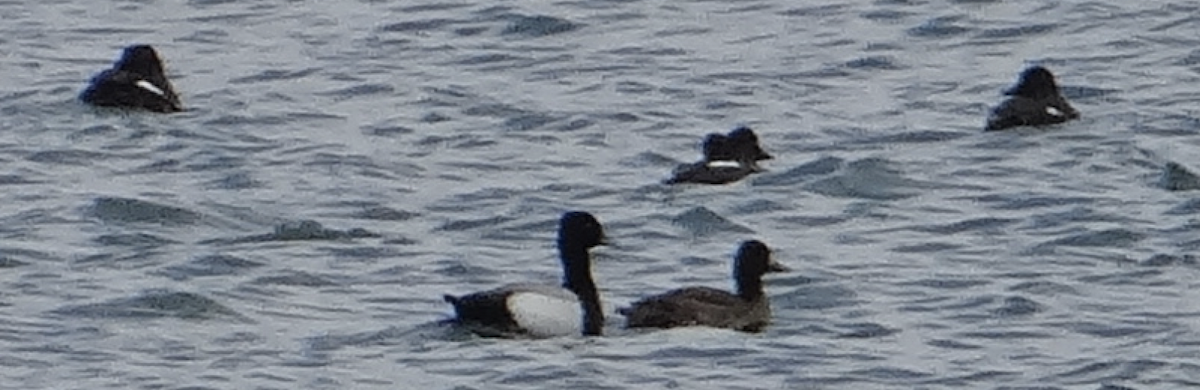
(727, 158)
(135, 81)
(529, 310)
(1034, 101)
(746, 309)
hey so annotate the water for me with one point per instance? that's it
(344, 164)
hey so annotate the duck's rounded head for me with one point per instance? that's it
(743, 134)
(716, 147)
(140, 59)
(753, 259)
(745, 144)
(580, 228)
(1036, 82)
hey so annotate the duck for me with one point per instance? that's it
(1034, 101)
(135, 81)
(542, 311)
(747, 309)
(726, 158)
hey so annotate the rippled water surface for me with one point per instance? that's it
(344, 164)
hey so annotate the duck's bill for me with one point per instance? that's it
(775, 266)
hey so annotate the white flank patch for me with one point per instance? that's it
(1053, 111)
(546, 316)
(143, 84)
(724, 164)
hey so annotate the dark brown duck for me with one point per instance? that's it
(746, 309)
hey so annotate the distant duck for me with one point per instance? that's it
(528, 310)
(747, 309)
(727, 158)
(135, 81)
(1034, 101)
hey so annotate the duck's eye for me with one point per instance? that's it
(1053, 111)
(143, 84)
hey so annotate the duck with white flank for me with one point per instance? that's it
(1034, 101)
(135, 81)
(528, 310)
(727, 158)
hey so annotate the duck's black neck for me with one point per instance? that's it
(577, 277)
(749, 286)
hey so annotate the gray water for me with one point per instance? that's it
(344, 164)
